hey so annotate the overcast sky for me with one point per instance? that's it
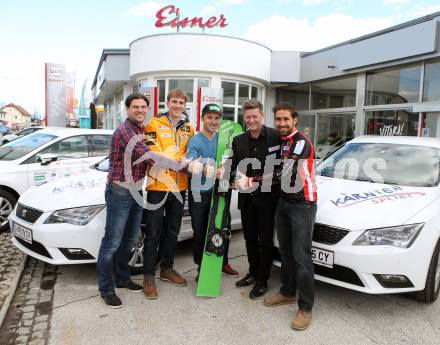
(74, 33)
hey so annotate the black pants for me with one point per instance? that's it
(155, 231)
(257, 219)
(199, 211)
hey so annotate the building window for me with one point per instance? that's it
(161, 91)
(336, 93)
(306, 124)
(431, 83)
(190, 86)
(186, 85)
(333, 131)
(391, 122)
(297, 95)
(393, 86)
(234, 94)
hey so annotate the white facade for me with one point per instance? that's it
(385, 82)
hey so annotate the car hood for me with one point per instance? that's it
(73, 191)
(355, 205)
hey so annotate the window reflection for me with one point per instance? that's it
(431, 84)
(391, 122)
(306, 124)
(183, 84)
(333, 131)
(393, 86)
(228, 92)
(337, 93)
(228, 113)
(298, 95)
(399, 164)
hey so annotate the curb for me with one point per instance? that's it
(11, 291)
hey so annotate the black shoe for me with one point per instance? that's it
(246, 281)
(112, 301)
(258, 291)
(130, 285)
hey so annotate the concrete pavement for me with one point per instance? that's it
(340, 316)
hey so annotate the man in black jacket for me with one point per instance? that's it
(254, 155)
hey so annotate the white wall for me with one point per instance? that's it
(199, 52)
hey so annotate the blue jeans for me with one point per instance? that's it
(160, 231)
(294, 222)
(123, 223)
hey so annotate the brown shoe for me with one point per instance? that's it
(278, 299)
(302, 320)
(150, 290)
(172, 277)
(229, 271)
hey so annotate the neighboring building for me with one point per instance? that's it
(15, 116)
(385, 83)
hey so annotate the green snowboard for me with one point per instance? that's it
(209, 284)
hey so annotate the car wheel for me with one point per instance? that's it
(7, 204)
(136, 261)
(432, 286)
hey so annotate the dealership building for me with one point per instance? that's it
(385, 83)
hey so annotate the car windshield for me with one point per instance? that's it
(22, 146)
(397, 164)
(103, 165)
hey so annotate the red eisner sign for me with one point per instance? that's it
(163, 19)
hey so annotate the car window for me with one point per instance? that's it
(22, 146)
(406, 165)
(100, 145)
(69, 148)
(25, 132)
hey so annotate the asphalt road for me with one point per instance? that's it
(340, 316)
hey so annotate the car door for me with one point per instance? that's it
(73, 157)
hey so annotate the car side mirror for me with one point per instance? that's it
(46, 158)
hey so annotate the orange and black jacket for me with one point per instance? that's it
(171, 141)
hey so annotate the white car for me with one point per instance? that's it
(63, 222)
(45, 155)
(10, 137)
(378, 221)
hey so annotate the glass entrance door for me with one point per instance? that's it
(430, 126)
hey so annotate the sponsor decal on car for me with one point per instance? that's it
(376, 196)
(80, 185)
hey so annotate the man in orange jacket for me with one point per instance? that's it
(169, 134)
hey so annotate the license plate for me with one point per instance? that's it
(323, 257)
(23, 233)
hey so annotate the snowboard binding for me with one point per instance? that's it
(216, 241)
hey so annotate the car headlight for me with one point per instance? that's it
(397, 236)
(76, 216)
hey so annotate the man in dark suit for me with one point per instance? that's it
(254, 155)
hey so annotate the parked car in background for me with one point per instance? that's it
(12, 136)
(377, 226)
(62, 222)
(44, 156)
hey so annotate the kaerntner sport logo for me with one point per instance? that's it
(376, 196)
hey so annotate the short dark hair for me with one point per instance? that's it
(285, 106)
(135, 95)
(252, 103)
